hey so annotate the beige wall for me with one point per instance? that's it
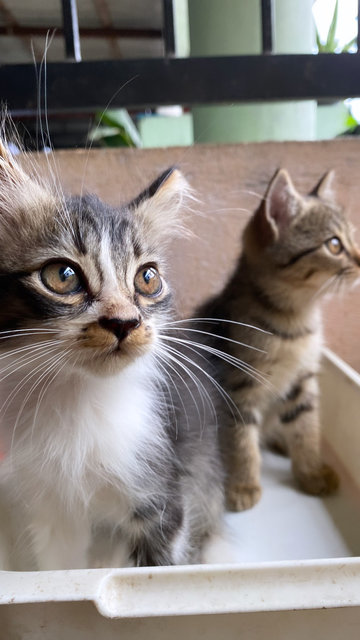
(229, 181)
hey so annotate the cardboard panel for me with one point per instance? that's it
(228, 180)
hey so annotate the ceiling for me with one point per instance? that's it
(109, 29)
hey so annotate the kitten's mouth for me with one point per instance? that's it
(106, 347)
(126, 349)
(118, 349)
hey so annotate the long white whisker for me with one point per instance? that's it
(22, 382)
(196, 378)
(159, 384)
(159, 362)
(228, 400)
(324, 286)
(24, 360)
(47, 382)
(239, 364)
(219, 337)
(217, 321)
(221, 391)
(53, 171)
(29, 347)
(168, 356)
(96, 129)
(210, 349)
(34, 330)
(53, 359)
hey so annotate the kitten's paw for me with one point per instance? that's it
(321, 482)
(240, 497)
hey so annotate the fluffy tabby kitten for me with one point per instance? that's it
(99, 450)
(294, 249)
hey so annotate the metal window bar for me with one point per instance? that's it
(168, 27)
(267, 26)
(71, 30)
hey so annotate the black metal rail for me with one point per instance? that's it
(87, 86)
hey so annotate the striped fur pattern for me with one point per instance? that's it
(103, 465)
(295, 250)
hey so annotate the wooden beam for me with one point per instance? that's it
(103, 14)
(85, 32)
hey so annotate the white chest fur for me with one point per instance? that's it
(85, 433)
(78, 457)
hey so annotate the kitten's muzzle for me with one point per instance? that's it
(120, 328)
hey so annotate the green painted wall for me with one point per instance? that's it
(166, 131)
(230, 27)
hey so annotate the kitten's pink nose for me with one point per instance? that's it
(120, 328)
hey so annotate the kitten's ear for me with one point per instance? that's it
(325, 187)
(160, 204)
(278, 207)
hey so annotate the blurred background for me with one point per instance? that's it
(155, 73)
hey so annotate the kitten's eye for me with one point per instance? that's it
(148, 282)
(60, 278)
(334, 245)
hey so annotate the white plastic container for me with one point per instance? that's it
(295, 573)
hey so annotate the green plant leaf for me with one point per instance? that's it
(351, 122)
(115, 141)
(319, 44)
(97, 133)
(331, 42)
(349, 45)
(121, 118)
(115, 128)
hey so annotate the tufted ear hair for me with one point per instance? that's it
(20, 194)
(278, 208)
(159, 207)
(10, 170)
(325, 187)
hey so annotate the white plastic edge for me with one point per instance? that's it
(341, 366)
(230, 589)
(194, 590)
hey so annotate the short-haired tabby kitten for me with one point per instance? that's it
(99, 449)
(294, 249)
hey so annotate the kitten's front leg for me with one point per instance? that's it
(59, 543)
(240, 444)
(301, 424)
(162, 536)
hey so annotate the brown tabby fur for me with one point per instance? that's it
(285, 266)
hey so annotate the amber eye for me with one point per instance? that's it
(61, 278)
(334, 245)
(148, 282)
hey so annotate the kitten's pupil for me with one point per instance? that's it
(334, 245)
(60, 278)
(147, 275)
(65, 273)
(148, 281)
